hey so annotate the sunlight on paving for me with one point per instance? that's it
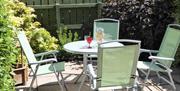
(72, 70)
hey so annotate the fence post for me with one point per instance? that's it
(57, 14)
(99, 7)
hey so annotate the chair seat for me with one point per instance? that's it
(146, 65)
(48, 68)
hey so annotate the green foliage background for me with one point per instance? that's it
(23, 18)
(42, 41)
(65, 36)
(7, 49)
(177, 15)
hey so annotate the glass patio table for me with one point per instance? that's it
(81, 47)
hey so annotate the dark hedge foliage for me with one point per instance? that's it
(177, 13)
(144, 20)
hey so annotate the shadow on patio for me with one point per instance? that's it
(72, 70)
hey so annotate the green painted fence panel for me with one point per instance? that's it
(66, 2)
(36, 2)
(59, 1)
(52, 18)
(65, 16)
(73, 16)
(39, 14)
(79, 16)
(45, 2)
(86, 1)
(72, 13)
(30, 2)
(52, 2)
(79, 1)
(86, 14)
(93, 1)
(72, 1)
(93, 14)
(44, 16)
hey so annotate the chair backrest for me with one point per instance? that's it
(110, 27)
(117, 65)
(26, 46)
(170, 43)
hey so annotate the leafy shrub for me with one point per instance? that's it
(7, 49)
(65, 36)
(23, 18)
(144, 20)
(42, 41)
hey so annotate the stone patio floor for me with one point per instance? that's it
(73, 69)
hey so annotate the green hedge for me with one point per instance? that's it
(7, 49)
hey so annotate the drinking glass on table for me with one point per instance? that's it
(99, 35)
(89, 40)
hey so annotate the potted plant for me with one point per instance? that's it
(20, 68)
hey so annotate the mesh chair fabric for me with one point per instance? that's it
(169, 45)
(117, 65)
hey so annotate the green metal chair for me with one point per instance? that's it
(163, 60)
(43, 66)
(116, 66)
(110, 27)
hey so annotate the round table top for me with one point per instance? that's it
(81, 47)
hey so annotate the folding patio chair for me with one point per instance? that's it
(110, 28)
(163, 60)
(116, 66)
(43, 66)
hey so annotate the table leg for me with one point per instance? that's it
(85, 59)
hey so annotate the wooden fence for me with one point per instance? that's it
(72, 13)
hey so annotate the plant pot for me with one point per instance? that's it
(20, 74)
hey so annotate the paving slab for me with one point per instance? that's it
(72, 71)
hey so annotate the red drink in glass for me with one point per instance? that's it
(89, 40)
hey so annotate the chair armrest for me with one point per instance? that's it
(160, 58)
(148, 51)
(46, 53)
(44, 61)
